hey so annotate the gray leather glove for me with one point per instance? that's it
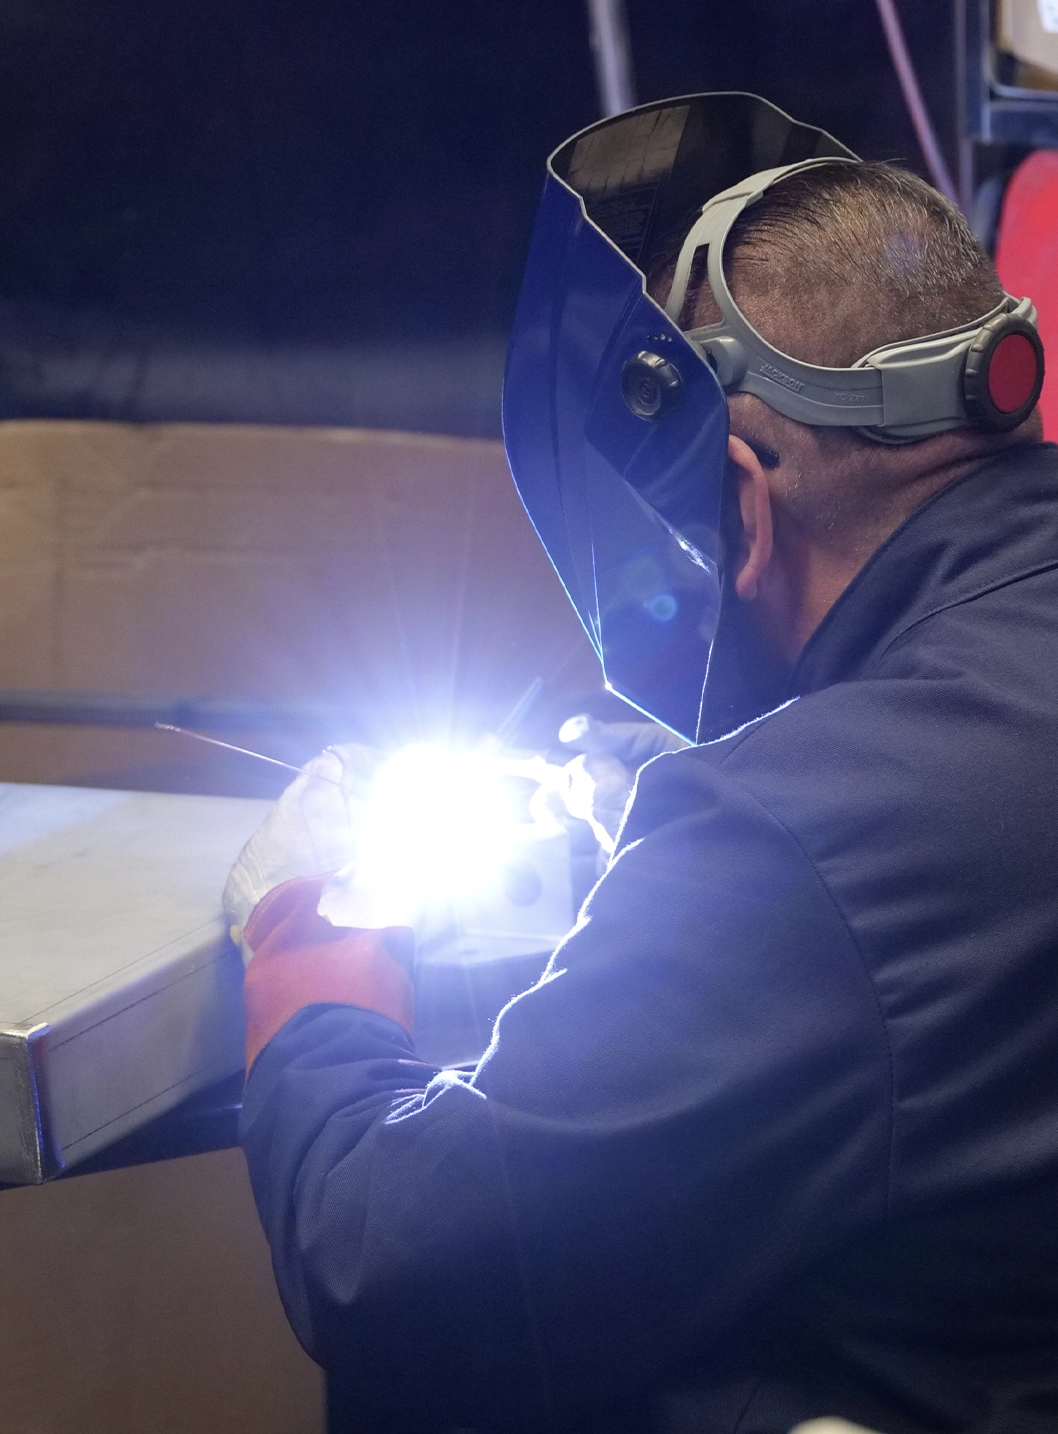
(600, 781)
(310, 831)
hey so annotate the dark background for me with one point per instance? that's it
(318, 213)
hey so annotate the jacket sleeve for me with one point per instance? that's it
(691, 1106)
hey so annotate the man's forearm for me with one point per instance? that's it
(392, 1240)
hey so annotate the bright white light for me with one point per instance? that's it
(436, 828)
(441, 821)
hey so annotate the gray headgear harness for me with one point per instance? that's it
(988, 372)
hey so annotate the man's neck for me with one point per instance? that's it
(814, 565)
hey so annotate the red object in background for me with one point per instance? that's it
(1027, 259)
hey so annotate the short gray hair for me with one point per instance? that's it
(861, 255)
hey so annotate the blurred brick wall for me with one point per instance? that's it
(392, 573)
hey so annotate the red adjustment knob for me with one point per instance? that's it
(1012, 370)
(1003, 374)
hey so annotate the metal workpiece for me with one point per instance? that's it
(120, 991)
(28, 1153)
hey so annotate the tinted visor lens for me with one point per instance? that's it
(616, 431)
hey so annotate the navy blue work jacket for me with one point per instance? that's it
(777, 1133)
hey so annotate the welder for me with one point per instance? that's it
(776, 1134)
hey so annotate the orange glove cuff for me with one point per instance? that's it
(300, 959)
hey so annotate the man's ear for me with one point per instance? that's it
(754, 503)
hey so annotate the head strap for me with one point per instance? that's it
(897, 393)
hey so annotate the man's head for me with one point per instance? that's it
(788, 261)
(828, 265)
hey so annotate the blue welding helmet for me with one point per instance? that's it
(615, 423)
(615, 419)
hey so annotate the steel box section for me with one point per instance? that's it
(120, 992)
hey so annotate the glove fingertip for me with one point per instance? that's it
(575, 729)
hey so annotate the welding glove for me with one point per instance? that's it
(296, 957)
(309, 832)
(300, 959)
(373, 824)
(600, 781)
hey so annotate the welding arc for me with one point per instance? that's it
(244, 752)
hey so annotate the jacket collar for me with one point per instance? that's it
(997, 523)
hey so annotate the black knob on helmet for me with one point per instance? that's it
(651, 385)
